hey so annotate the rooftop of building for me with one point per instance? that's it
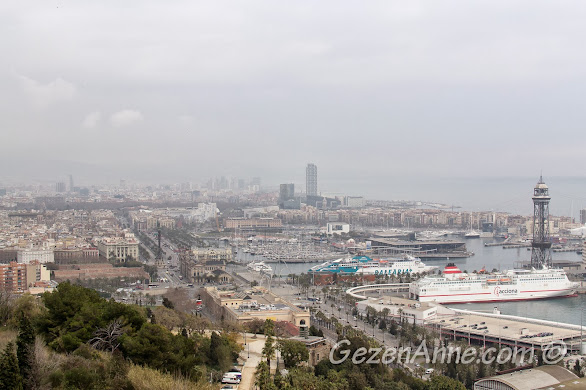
(264, 300)
(505, 327)
(309, 340)
(543, 377)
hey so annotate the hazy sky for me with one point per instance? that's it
(260, 88)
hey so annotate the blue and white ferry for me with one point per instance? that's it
(364, 265)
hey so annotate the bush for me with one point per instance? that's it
(142, 378)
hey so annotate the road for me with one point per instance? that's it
(252, 356)
(345, 318)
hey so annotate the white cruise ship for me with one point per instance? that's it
(454, 286)
(364, 265)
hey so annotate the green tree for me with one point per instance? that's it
(263, 377)
(152, 270)
(269, 328)
(220, 352)
(167, 303)
(578, 368)
(313, 331)
(151, 300)
(112, 258)
(293, 352)
(74, 313)
(25, 305)
(393, 328)
(6, 306)
(268, 350)
(444, 383)
(382, 324)
(10, 378)
(481, 373)
(25, 343)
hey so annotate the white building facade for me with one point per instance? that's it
(43, 256)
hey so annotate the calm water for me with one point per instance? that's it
(563, 309)
(510, 194)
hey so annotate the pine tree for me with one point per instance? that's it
(578, 368)
(10, 378)
(481, 373)
(25, 343)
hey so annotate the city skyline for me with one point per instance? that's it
(160, 181)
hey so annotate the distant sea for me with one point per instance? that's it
(508, 194)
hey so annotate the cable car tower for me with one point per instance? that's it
(541, 244)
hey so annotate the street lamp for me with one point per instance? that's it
(581, 330)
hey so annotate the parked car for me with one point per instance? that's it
(230, 379)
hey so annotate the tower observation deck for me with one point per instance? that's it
(541, 244)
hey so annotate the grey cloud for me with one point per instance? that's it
(92, 120)
(125, 118)
(383, 87)
(44, 95)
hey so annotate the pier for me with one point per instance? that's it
(571, 249)
(443, 256)
(516, 246)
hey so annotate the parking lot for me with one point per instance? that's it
(506, 330)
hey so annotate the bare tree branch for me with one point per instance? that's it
(107, 338)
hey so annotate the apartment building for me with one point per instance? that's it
(13, 277)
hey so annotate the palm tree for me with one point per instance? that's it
(385, 312)
(112, 258)
(268, 350)
(151, 300)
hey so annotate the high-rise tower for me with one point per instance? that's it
(286, 192)
(541, 245)
(311, 180)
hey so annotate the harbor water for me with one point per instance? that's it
(567, 310)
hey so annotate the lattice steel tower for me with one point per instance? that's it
(541, 245)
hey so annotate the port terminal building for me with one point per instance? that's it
(423, 249)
